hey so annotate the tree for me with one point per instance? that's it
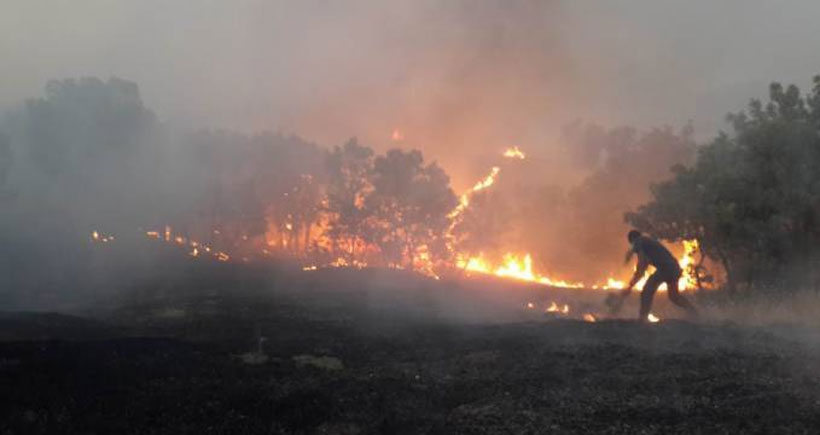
(82, 122)
(752, 199)
(623, 162)
(484, 225)
(89, 143)
(349, 168)
(411, 202)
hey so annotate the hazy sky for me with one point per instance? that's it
(455, 77)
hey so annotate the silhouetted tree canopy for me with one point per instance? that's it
(752, 198)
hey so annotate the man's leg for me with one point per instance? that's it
(678, 299)
(648, 293)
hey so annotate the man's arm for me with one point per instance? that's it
(643, 263)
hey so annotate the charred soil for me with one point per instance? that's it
(330, 357)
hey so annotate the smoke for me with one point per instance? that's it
(459, 80)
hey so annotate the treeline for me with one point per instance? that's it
(752, 198)
(89, 155)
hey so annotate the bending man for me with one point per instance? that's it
(667, 270)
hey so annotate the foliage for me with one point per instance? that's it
(752, 198)
(349, 168)
(411, 202)
(628, 162)
(392, 202)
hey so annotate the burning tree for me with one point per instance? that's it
(349, 168)
(391, 209)
(410, 203)
(751, 199)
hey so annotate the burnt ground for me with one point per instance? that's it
(342, 355)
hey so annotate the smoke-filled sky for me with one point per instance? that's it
(455, 77)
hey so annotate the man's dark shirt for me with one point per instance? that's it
(657, 255)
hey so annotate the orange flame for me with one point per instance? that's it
(514, 153)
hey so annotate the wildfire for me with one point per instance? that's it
(687, 262)
(196, 248)
(513, 266)
(520, 266)
(464, 200)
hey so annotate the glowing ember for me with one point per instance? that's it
(97, 237)
(555, 308)
(514, 153)
(653, 318)
(588, 317)
(530, 305)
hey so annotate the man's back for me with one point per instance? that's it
(657, 254)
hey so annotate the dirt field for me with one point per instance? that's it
(347, 352)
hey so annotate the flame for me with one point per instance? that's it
(197, 249)
(687, 263)
(514, 153)
(653, 318)
(513, 266)
(98, 237)
(519, 266)
(464, 199)
(555, 308)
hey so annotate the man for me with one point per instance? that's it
(650, 251)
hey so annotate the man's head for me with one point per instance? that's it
(632, 236)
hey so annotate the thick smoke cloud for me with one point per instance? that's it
(457, 78)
